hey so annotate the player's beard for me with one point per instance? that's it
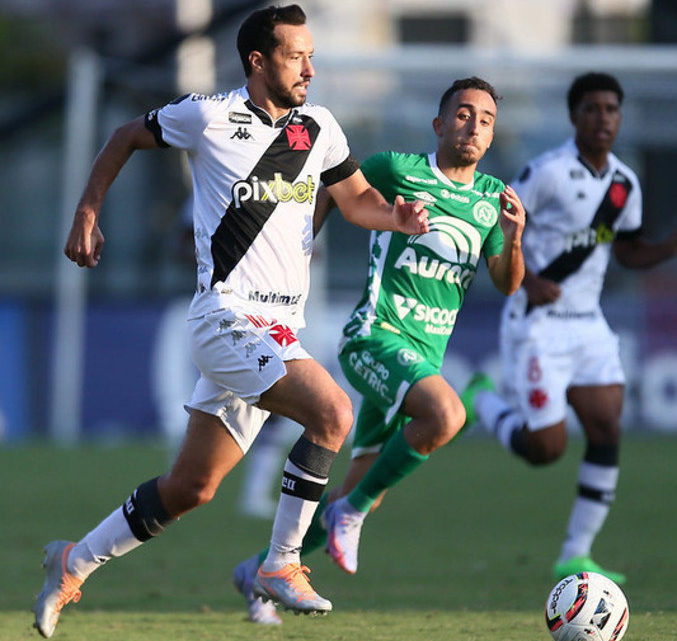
(283, 96)
(468, 156)
(465, 158)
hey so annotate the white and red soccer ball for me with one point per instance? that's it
(587, 607)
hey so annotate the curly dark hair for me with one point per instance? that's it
(592, 81)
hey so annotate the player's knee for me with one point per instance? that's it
(607, 433)
(188, 494)
(447, 419)
(336, 418)
(545, 452)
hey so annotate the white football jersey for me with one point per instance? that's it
(254, 187)
(573, 215)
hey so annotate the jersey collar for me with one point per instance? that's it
(593, 170)
(263, 115)
(432, 161)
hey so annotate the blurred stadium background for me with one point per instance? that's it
(79, 350)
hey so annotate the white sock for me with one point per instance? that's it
(292, 521)
(589, 513)
(497, 417)
(112, 537)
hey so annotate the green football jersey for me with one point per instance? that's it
(416, 284)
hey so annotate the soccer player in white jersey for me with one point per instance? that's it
(257, 156)
(582, 203)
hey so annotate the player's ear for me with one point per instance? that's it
(256, 60)
(437, 125)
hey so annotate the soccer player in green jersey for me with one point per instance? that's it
(394, 342)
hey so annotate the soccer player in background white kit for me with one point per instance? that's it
(556, 346)
(257, 156)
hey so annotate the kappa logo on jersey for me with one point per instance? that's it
(263, 361)
(241, 134)
(456, 243)
(225, 324)
(425, 196)
(237, 335)
(282, 335)
(298, 137)
(276, 190)
(485, 213)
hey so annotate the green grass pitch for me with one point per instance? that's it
(461, 550)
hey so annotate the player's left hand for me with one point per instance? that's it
(513, 216)
(411, 218)
(85, 240)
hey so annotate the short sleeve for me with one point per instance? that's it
(493, 245)
(181, 123)
(631, 219)
(378, 170)
(533, 186)
(337, 148)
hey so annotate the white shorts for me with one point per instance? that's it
(543, 355)
(240, 354)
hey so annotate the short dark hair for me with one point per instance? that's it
(257, 31)
(592, 81)
(467, 83)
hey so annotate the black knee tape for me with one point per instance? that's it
(518, 442)
(604, 455)
(144, 511)
(301, 488)
(312, 458)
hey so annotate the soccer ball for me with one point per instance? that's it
(586, 607)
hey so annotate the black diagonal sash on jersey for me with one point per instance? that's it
(240, 226)
(607, 213)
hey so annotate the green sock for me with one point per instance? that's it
(315, 537)
(396, 460)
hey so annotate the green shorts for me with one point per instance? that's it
(381, 367)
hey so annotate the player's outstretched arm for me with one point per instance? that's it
(364, 206)
(507, 269)
(638, 253)
(85, 240)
